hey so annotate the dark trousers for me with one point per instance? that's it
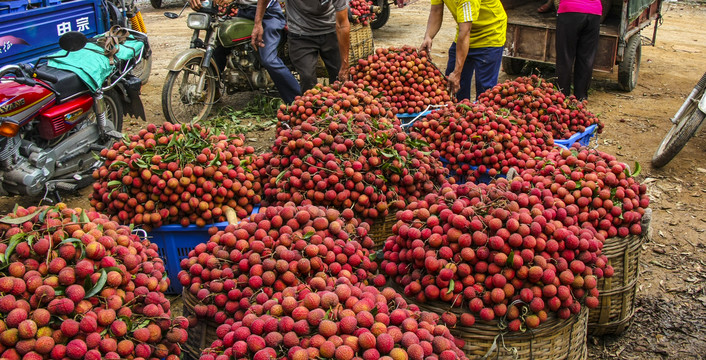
(485, 62)
(272, 25)
(576, 45)
(304, 51)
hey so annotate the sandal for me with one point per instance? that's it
(545, 8)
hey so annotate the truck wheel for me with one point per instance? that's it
(381, 18)
(156, 3)
(629, 68)
(512, 66)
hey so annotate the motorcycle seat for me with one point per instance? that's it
(68, 83)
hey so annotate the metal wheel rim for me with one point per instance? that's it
(681, 122)
(179, 93)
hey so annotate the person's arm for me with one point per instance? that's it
(195, 4)
(454, 79)
(343, 32)
(436, 17)
(257, 30)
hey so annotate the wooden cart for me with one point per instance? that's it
(531, 36)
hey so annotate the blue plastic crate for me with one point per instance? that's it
(583, 138)
(484, 178)
(175, 242)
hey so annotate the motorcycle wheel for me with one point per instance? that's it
(179, 103)
(381, 18)
(114, 108)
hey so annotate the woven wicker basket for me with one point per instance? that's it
(617, 294)
(381, 230)
(361, 43)
(555, 339)
(361, 46)
(202, 335)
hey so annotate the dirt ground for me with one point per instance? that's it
(670, 318)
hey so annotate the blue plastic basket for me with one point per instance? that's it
(484, 178)
(408, 119)
(175, 242)
(583, 138)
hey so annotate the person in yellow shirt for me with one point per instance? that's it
(481, 27)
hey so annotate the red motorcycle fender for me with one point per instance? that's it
(183, 57)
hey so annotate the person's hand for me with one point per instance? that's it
(195, 4)
(454, 81)
(426, 46)
(256, 39)
(343, 75)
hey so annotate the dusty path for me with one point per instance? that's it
(671, 296)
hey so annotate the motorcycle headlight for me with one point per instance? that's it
(197, 21)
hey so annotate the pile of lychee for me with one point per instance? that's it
(76, 285)
(176, 174)
(591, 188)
(355, 161)
(338, 98)
(339, 321)
(497, 251)
(535, 98)
(474, 139)
(406, 78)
(241, 267)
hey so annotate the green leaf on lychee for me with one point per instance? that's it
(58, 291)
(70, 240)
(452, 284)
(126, 320)
(143, 324)
(374, 310)
(98, 286)
(84, 217)
(114, 184)
(74, 218)
(117, 164)
(19, 220)
(510, 258)
(14, 240)
(308, 235)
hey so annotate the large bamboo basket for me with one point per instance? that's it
(555, 339)
(361, 46)
(617, 294)
(362, 43)
(381, 229)
(202, 335)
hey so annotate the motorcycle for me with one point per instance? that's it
(125, 13)
(52, 123)
(194, 79)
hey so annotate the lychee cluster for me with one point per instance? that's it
(591, 187)
(347, 99)
(472, 139)
(176, 173)
(361, 162)
(535, 98)
(495, 251)
(244, 265)
(336, 321)
(76, 285)
(406, 78)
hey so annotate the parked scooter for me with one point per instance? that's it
(194, 79)
(52, 123)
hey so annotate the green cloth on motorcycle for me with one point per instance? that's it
(91, 65)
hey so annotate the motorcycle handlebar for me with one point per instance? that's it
(10, 69)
